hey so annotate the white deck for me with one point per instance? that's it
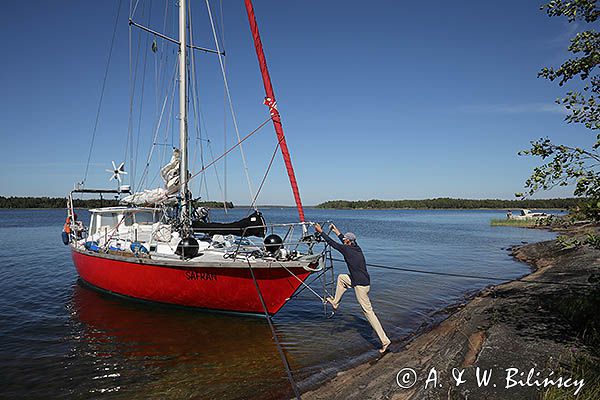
(114, 229)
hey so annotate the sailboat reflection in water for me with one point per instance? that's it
(179, 351)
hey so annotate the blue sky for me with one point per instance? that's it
(388, 99)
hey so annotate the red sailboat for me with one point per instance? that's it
(158, 246)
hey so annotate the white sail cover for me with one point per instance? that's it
(150, 196)
(169, 174)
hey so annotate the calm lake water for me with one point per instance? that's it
(59, 339)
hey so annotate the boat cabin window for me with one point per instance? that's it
(127, 219)
(101, 220)
(145, 217)
(108, 219)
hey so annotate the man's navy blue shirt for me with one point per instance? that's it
(355, 259)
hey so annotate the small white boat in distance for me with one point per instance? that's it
(525, 214)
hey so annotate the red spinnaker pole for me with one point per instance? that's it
(272, 104)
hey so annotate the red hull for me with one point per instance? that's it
(215, 288)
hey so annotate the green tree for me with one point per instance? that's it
(442, 203)
(564, 164)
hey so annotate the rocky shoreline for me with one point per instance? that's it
(526, 334)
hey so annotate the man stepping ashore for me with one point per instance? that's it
(358, 279)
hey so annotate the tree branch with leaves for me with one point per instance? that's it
(565, 165)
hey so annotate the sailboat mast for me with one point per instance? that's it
(183, 134)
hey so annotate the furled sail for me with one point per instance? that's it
(170, 175)
(272, 104)
(170, 172)
(146, 197)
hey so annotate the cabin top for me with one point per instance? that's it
(122, 217)
(122, 210)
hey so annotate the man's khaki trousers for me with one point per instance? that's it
(362, 295)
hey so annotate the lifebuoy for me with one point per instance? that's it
(67, 227)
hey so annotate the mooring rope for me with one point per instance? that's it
(305, 286)
(483, 277)
(297, 293)
(284, 359)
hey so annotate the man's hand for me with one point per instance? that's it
(318, 228)
(335, 229)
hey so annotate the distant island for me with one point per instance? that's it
(448, 203)
(61, 202)
(438, 203)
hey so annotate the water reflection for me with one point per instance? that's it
(179, 353)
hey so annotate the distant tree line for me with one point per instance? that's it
(52, 202)
(452, 203)
(61, 202)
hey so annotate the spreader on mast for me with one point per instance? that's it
(272, 104)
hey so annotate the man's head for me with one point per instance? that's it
(349, 238)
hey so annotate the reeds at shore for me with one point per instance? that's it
(522, 223)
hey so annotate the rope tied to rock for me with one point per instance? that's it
(469, 276)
